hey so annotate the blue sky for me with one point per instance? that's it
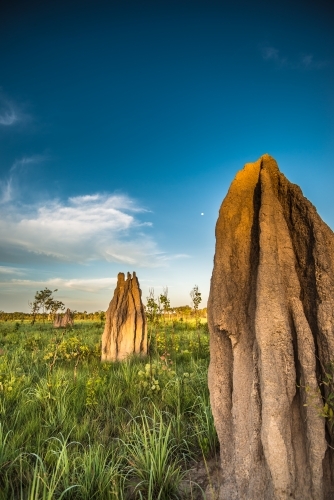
(121, 122)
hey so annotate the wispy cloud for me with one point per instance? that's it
(8, 117)
(11, 270)
(98, 227)
(303, 61)
(10, 112)
(270, 53)
(26, 160)
(9, 184)
(307, 61)
(6, 190)
(165, 258)
(87, 285)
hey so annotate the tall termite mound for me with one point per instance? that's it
(125, 331)
(271, 323)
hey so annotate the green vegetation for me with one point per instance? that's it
(72, 427)
(44, 300)
(196, 298)
(326, 393)
(328, 390)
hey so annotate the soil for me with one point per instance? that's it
(202, 481)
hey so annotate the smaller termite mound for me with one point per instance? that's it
(61, 321)
(125, 331)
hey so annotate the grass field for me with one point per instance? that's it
(72, 427)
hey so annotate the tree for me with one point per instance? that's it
(102, 317)
(183, 310)
(55, 306)
(152, 307)
(165, 301)
(196, 298)
(45, 301)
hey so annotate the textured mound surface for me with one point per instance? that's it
(271, 322)
(63, 321)
(125, 330)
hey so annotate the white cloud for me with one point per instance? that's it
(118, 201)
(78, 219)
(87, 285)
(93, 227)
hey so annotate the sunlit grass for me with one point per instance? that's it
(131, 428)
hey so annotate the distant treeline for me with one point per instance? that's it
(21, 316)
(176, 312)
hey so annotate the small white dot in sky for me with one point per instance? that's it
(202, 213)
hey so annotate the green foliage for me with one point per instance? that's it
(153, 466)
(196, 297)
(323, 392)
(327, 410)
(73, 348)
(131, 428)
(102, 316)
(155, 376)
(95, 386)
(152, 308)
(165, 302)
(44, 300)
(183, 310)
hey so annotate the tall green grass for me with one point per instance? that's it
(74, 428)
